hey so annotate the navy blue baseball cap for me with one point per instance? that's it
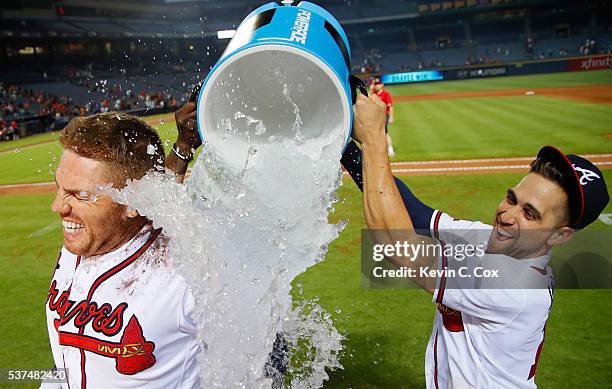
(584, 184)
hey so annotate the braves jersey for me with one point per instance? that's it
(123, 319)
(485, 336)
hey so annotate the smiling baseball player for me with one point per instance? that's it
(118, 314)
(487, 333)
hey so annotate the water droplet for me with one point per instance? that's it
(227, 246)
(151, 149)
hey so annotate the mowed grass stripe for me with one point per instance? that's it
(514, 126)
(553, 121)
(441, 129)
(454, 123)
(7, 146)
(460, 128)
(417, 132)
(387, 330)
(167, 129)
(554, 80)
(30, 165)
(570, 125)
(503, 126)
(495, 128)
(26, 265)
(580, 114)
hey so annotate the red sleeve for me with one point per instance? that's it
(386, 98)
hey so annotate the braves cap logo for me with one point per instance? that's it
(586, 175)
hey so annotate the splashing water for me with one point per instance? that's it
(296, 111)
(240, 233)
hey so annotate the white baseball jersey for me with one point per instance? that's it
(123, 319)
(486, 338)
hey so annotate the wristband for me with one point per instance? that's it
(184, 158)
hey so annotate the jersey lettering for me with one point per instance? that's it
(104, 318)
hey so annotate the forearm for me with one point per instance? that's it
(385, 212)
(177, 165)
(187, 142)
(383, 205)
(420, 213)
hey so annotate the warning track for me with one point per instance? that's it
(412, 168)
(600, 94)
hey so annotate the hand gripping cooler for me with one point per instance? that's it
(285, 73)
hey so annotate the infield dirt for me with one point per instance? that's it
(412, 168)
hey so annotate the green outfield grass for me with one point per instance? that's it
(553, 80)
(35, 158)
(498, 127)
(27, 141)
(47, 137)
(386, 330)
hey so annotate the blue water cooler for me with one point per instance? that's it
(284, 75)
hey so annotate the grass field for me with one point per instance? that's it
(554, 80)
(386, 330)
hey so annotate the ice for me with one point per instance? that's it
(151, 149)
(240, 232)
(252, 124)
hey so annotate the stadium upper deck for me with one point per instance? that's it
(384, 35)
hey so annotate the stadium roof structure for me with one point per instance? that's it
(203, 18)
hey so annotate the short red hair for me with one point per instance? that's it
(126, 143)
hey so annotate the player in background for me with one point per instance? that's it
(486, 333)
(378, 88)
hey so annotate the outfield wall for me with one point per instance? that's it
(594, 62)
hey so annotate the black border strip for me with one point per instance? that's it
(336, 37)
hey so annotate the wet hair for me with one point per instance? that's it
(129, 146)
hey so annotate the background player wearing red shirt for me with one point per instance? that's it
(378, 88)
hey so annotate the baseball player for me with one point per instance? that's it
(379, 89)
(487, 333)
(118, 314)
